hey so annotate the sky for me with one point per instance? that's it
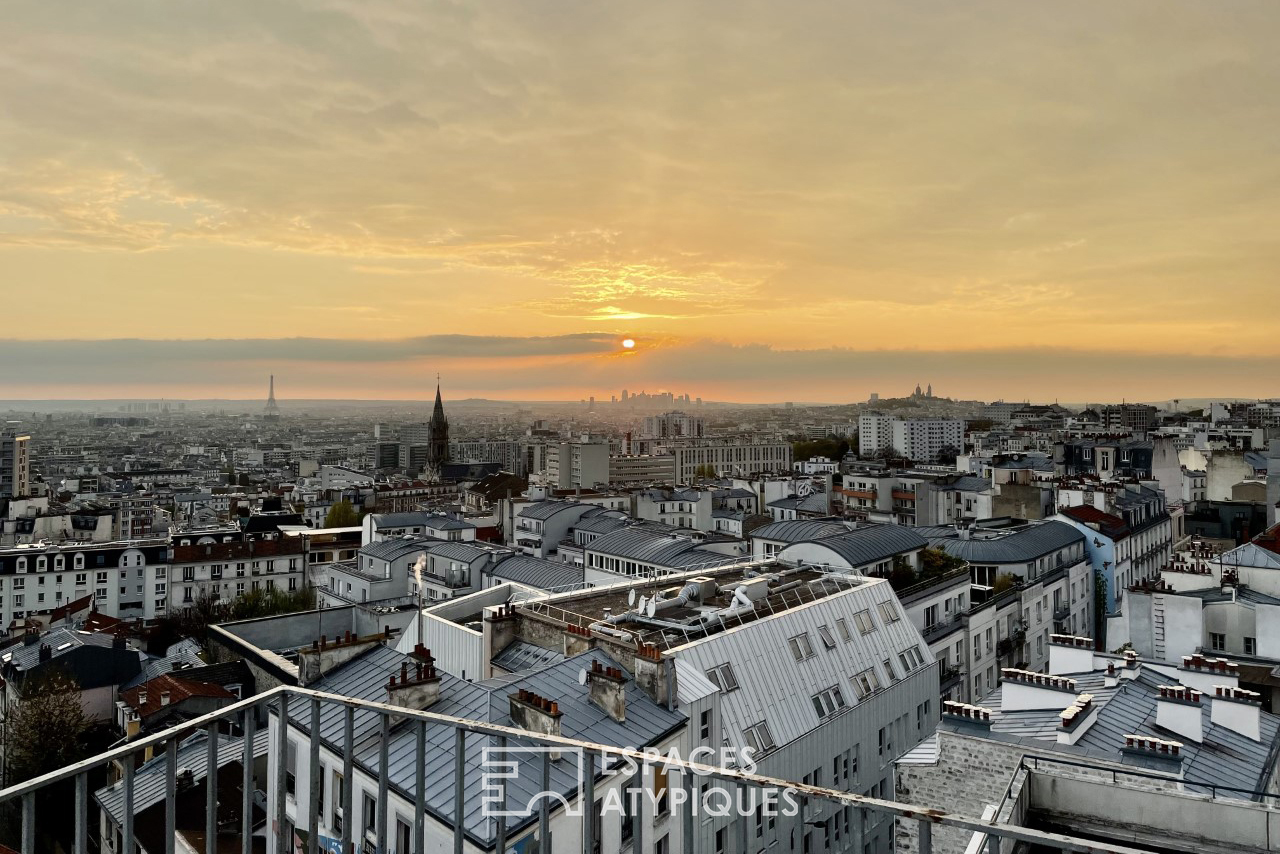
(805, 200)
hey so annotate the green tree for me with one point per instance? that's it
(705, 470)
(937, 562)
(47, 728)
(342, 515)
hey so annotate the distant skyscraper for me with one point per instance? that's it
(271, 411)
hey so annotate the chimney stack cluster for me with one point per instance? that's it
(1179, 692)
(1156, 746)
(1211, 665)
(1041, 680)
(1072, 640)
(966, 711)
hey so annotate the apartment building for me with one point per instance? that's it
(221, 572)
(15, 463)
(122, 578)
(1117, 748)
(729, 456)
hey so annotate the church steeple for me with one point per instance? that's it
(439, 424)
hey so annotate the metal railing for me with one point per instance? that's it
(276, 701)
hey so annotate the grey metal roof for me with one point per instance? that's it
(1000, 546)
(366, 677)
(536, 572)
(873, 543)
(62, 640)
(519, 655)
(546, 509)
(149, 779)
(1252, 555)
(184, 653)
(1224, 758)
(401, 520)
(398, 547)
(968, 483)
(602, 523)
(466, 552)
(799, 530)
(642, 543)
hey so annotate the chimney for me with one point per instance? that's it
(1027, 691)
(535, 714)
(164, 698)
(1070, 654)
(1178, 710)
(46, 652)
(417, 688)
(1112, 677)
(967, 716)
(1238, 710)
(608, 690)
(324, 655)
(1130, 669)
(1205, 674)
(654, 674)
(117, 642)
(1148, 747)
(1076, 719)
(142, 696)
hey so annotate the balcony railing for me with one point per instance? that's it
(77, 815)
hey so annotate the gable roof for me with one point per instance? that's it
(179, 690)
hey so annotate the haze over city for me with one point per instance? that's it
(808, 201)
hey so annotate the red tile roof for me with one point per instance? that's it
(179, 689)
(1269, 539)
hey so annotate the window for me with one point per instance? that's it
(759, 738)
(291, 768)
(335, 802)
(1217, 641)
(370, 813)
(1250, 646)
(889, 671)
(865, 683)
(977, 646)
(843, 628)
(910, 658)
(404, 835)
(931, 616)
(82, 578)
(863, 621)
(828, 639)
(801, 648)
(828, 702)
(889, 612)
(188, 573)
(704, 725)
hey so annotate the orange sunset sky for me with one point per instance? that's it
(778, 201)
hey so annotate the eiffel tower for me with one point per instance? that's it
(271, 412)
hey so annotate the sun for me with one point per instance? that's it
(628, 343)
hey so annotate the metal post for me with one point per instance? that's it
(501, 820)
(247, 785)
(128, 805)
(211, 791)
(926, 836)
(380, 826)
(544, 808)
(742, 819)
(459, 788)
(686, 819)
(313, 784)
(29, 823)
(420, 790)
(282, 758)
(80, 845)
(170, 795)
(993, 843)
(348, 783)
(589, 828)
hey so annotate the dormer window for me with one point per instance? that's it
(22, 564)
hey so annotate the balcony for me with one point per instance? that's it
(233, 830)
(942, 628)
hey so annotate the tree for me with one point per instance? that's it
(705, 470)
(947, 455)
(937, 562)
(342, 515)
(47, 728)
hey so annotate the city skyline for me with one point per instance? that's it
(1002, 197)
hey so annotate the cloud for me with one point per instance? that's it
(813, 172)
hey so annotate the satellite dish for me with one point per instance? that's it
(640, 604)
(631, 596)
(582, 676)
(651, 609)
